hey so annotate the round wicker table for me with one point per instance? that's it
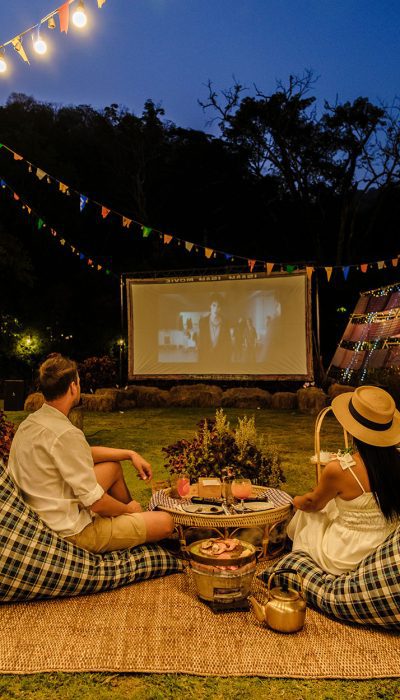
(224, 525)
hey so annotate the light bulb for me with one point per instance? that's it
(79, 17)
(39, 45)
(3, 64)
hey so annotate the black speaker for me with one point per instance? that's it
(14, 391)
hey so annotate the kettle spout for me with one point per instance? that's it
(259, 610)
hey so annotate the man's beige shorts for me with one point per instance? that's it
(109, 534)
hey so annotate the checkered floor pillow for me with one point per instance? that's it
(36, 563)
(369, 595)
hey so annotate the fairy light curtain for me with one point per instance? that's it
(371, 340)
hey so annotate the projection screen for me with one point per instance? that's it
(230, 326)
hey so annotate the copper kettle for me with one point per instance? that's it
(285, 609)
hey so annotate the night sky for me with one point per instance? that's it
(167, 50)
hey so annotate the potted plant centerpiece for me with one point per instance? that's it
(217, 450)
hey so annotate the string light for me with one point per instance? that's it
(3, 64)
(39, 44)
(79, 17)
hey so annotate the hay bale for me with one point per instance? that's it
(285, 400)
(311, 400)
(34, 401)
(337, 389)
(201, 395)
(98, 402)
(143, 396)
(246, 398)
(76, 417)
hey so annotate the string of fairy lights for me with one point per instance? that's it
(62, 14)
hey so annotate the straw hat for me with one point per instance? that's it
(369, 414)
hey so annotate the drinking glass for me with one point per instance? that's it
(181, 485)
(241, 488)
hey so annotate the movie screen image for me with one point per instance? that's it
(222, 326)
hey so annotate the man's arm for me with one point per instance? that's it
(327, 489)
(113, 454)
(109, 506)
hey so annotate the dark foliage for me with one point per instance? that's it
(7, 432)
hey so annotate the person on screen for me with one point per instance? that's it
(77, 490)
(214, 336)
(250, 341)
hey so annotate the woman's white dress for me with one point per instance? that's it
(340, 535)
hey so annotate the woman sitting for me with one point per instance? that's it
(356, 504)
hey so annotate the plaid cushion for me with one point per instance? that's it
(369, 595)
(36, 563)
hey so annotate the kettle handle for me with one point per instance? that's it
(285, 585)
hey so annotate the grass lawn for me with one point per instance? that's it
(147, 431)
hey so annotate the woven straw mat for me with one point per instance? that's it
(160, 626)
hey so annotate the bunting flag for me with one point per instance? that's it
(100, 3)
(309, 272)
(40, 224)
(63, 14)
(269, 267)
(208, 252)
(82, 201)
(17, 44)
(16, 196)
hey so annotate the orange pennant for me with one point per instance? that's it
(16, 196)
(364, 267)
(208, 252)
(395, 261)
(309, 271)
(167, 238)
(251, 264)
(188, 246)
(269, 267)
(126, 222)
(63, 13)
(104, 212)
(328, 271)
(17, 157)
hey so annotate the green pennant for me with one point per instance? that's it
(146, 231)
(1, 145)
(290, 268)
(40, 224)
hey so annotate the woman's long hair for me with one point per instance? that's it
(383, 467)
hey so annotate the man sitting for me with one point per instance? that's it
(77, 490)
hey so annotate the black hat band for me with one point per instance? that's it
(368, 423)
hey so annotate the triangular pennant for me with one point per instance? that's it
(395, 261)
(364, 267)
(146, 231)
(62, 241)
(105, 212)
(53, 232)
(126, 222)
(40, 173)
(29, 168)
(328, 271)
(381, 264)
(63, 188)
(99, 267)
(269, 267)
(188, 245)
(82, 201)
(167, 238)
(28, 209)
(73, 249)
(346, 271)
(63, 13)
(40, 224)
(16, 196)
(3, 183)
(17, 44)
(290, 268)
(90, 262)
(251, 264)
(17, 157)
(309, 272)
(81, 256)
(100, 3)
(208, 252)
